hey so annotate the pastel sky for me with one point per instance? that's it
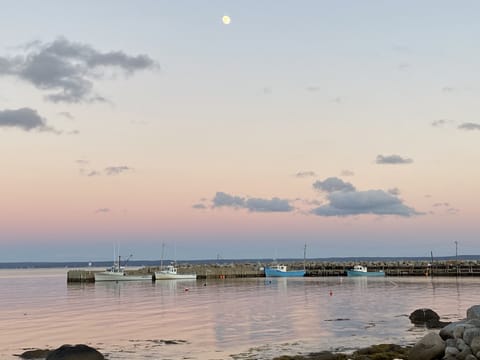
(352, 126)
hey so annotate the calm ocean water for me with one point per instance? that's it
(241, 318)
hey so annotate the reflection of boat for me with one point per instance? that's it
(117, 273)
(170, 273)
(359, 270)
(281, 271)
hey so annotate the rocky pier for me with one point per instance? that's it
(313, 268)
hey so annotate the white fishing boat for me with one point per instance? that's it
(117, 273)
(169, 272)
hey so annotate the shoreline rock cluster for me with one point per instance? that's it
(458, 340)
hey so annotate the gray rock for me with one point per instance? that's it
(75, 352)
(478, 355)
(449, 357)
(447, 331)
(475, 344)
(471, 357)
(458, 331)
(464, 353)
(430, 347)
(451, 342)
(473, 322)
(451, 350)
(473, 312)
(469, 334)
(460, 344)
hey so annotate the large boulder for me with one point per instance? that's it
(430, 347)
(470, 334)
(473, 312)
(421, 316)
(428, 318)
(75, 352)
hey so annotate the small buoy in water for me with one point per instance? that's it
(331, 293)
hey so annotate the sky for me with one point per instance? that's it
(349, 126)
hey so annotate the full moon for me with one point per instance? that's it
(226, 19)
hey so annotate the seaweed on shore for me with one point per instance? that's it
(374, 352)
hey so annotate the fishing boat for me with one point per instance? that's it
(281, 270)
(169, 272)
(117, 273)
(359, 270)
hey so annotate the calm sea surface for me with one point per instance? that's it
(241, 318)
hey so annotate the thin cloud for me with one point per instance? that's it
(448, 89)
(93, 173)
(268, 205)
(66, 114)
(440, 123)
(394, 191)
(275, 204)
(25, 119)
(392, 159)
(82, 161)
(469, 126)
(347, 173)
(116, 170)
(102, 211)
(304, 174)
(224, 199)
(199, 206)
(67, 69)
(445, 204)
(333, 184)
(312, 88)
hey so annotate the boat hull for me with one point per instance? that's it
(269, 272)
(106, 276)
(166, 276)
(354, 273)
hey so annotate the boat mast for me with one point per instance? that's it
(304, 256)
(161, 260)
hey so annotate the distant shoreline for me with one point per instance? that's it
(105, 263)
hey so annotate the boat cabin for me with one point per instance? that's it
(360, 268)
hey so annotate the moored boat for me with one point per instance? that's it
(117, 273)
(170, 273)
(281, 271)
(359, 270)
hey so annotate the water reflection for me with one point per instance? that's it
(225, 315)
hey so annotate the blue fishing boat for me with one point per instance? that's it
(281, 271)
(359, 270)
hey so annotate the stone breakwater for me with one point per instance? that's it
(457, 340)
(313, 268)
